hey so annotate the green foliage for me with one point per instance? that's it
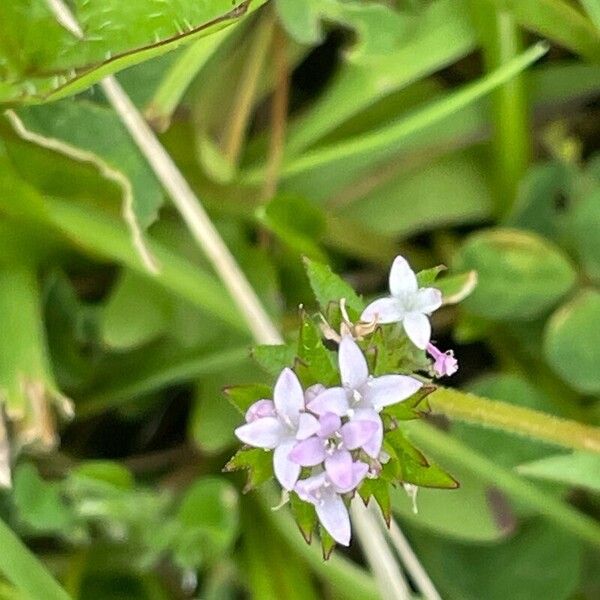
(539, 274)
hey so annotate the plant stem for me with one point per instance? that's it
(501, 41)
(24, 570)
(462, 406)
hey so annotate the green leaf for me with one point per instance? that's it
(40, 505)
(455, 288)
(243, 396)
(208, 517)
(327, 543)
(582, 228)
(127, 322)
(579, 469)
(379, 490)
(297, 222)
(274, 358)
(41, 59)
(378, 28)
(329, 287)
(538, 562)
(109, 472)
(572, 341)
(521, 275)
(256, 461)
(316, 362)
(305, 516)
(91, 133)
(427, 277)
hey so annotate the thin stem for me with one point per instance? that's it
(465, 407)
(242, 108)
(391, 582)
(412, 563)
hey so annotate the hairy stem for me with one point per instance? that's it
(461, 406)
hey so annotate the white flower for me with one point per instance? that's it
(407, 304)
(279, 425)
(361, 396)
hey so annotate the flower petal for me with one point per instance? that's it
(353, 366)
(338, 467)
(262, 433)
(355, 433)
(286, 471)
(330, 423)
(427, 300)
(260, 409)
(307, 425)
(390, 389)
(333, 515)
(402, 278)
(383, 310)
(373, 446)
(334, 400)
(307, 488)
(308, 453)
(288, 395)
(359, 472)
(311, 392)
(417, 328)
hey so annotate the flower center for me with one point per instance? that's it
(333, 442)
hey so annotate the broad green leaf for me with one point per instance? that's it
(580, 469)
(378, 28)
(243, 396)
(538, 562)
(378, 489)
(455, 288)
(208, 517)
(90, 133)
(316, 362)
(427, 277)
(592, 8)
(297, 222)
(582, 228)
(329, 287)
(127, 322)
(502, 447)
(41, 59)
(521, 275)
(357, 87)
(105, 471)
(40, 505)
(256, 461)
(572, 342)
(557, 20)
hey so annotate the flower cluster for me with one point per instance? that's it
(325, 441)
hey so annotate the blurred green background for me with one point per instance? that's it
(345, 131)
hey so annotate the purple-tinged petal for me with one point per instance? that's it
(373, 446)
(333, 515)
(288, 396)
(308, 453)
(334, 400)
(402, 278)
(330, 423)
(427, 300)
(286, 471)
(312, 391)
(353, 366)
(383, 310)
(307, 425)
(262, 433)
(308, 489)
(359, 472)
(260, 409)
(355, 433)
(417, 328)
(390, 389)
(338, 467)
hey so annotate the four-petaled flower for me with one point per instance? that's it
(407, 304)
(279, 424)
(361, 396)
(332, 445)
(324, 494)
